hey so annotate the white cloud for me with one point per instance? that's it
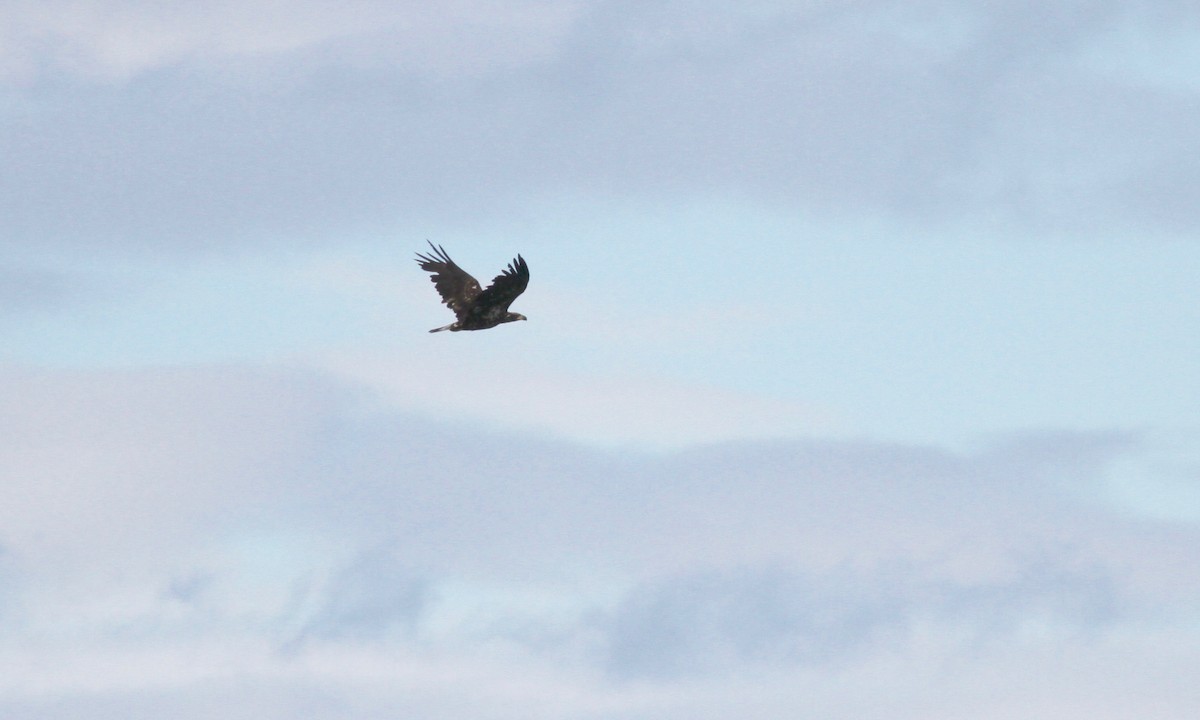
(174, 538)
(121, 40)
(504, 388)
(311, 121)
(23, 290)
(137, 462)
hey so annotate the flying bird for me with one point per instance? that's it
(475, 308)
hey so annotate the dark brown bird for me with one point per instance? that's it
(476, 309)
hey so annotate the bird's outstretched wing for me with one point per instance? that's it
(506, 286)
(456, 286)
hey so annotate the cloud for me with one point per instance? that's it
(935, 112)
(626, 410)
(716, 623)
(137, 462)
(373, 596)
(23, 290)
(118, 41)
(217, 535)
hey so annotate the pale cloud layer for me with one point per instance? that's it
(174, 539)
(250, 121)
(630, 410)
(120, 41)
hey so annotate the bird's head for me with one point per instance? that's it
(513, 317)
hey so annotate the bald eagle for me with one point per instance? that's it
(476, 309)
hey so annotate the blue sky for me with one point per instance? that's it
(859, 371)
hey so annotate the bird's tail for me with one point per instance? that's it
(444, 327)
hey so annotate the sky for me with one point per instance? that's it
(859, 378)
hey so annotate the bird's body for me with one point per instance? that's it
(475, 308)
